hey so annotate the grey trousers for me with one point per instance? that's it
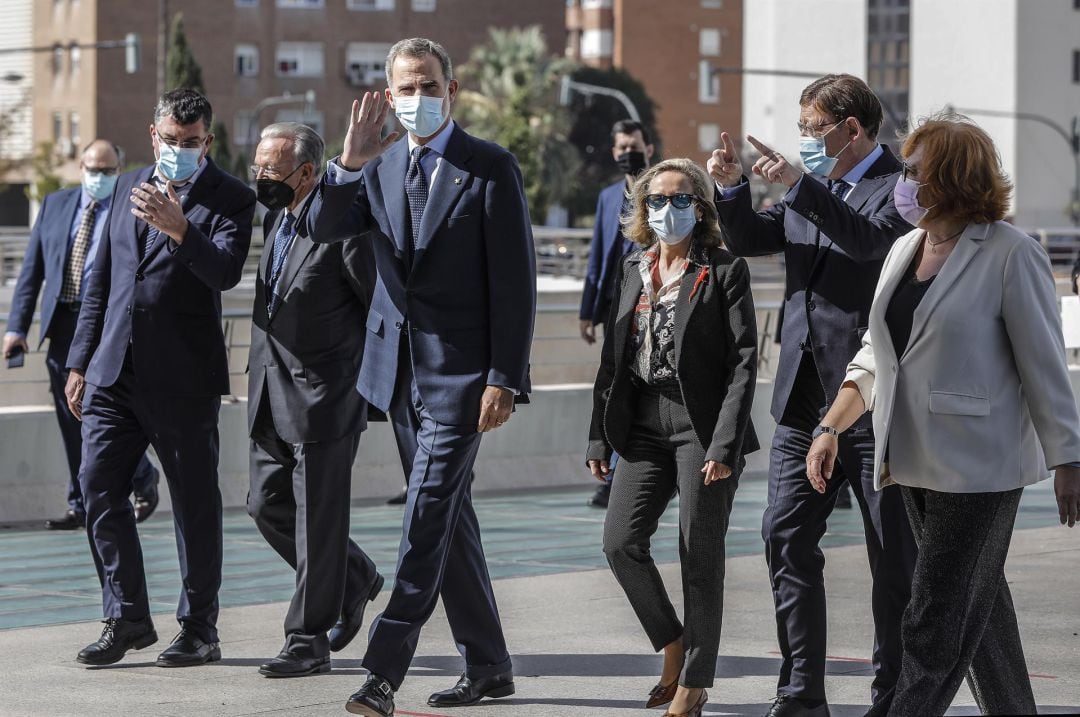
(663, 457)
(960, 621)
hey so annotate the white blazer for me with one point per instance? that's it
(982, 391)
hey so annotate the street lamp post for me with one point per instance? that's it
(567, 86)
(1072, 138)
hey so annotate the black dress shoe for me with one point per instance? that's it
(286, 664)
(790, 706)
(599, 499)
(145, 505)
(374, 699)
(117, 638)
(346, 628)
(70, 521)
(188, 650)
(468, 692)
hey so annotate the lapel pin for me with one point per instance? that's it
(457, 180)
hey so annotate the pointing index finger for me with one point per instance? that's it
(729, 146)
(764, 149)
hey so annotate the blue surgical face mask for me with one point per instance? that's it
(672, 225)
(812, 152)
(98, 184)
(177, 163)
(421, 115)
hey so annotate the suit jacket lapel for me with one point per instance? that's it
(266, 265)
(139, 226)
(301, 249)
(67, 214)
(391, 171)
(686, 303)
(966, 248)
(889, 283)
(450, 182)
(628, 299)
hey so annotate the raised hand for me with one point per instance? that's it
(772, 166)
(364, 141)
(161, 210)
(724, 165)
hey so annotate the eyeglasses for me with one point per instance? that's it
(183, 144)
(908, 171)
(818, 130)
(267, 171)
(107, 171)
(679, 201)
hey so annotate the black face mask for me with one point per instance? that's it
(275, 194)
(632, 163)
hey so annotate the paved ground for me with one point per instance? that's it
(576, 644)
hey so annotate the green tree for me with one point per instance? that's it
(221, 149)
(181, 68)
(593, 117)
(45, 162)
(509, 96)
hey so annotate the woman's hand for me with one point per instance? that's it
(599, 469)
(820, 460)
(1067, 490)
(715, 471)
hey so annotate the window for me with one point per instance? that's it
(1076, 67)
(243, 134)
(596, 43)
(708, 83)
(709, 42)
(247, 3)
(300, 3)
(712, 4)
(370, 4)
(708, 136)
(247, 60)
(74, 58)
(57, 60)
(365, 63)
(73, 127)
(314, 119)
(299, 59)
(423, 5)
(57, 127)
(595, 4)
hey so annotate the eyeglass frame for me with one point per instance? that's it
(690, 199)
(817, 131)
(272, 172)
(907, 170)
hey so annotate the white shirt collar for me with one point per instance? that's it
(436, 144)
(856, 173)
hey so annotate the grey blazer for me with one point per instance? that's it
(305, 356)
(980, 400)
(715, 357)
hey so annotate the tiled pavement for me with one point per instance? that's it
(47, 578)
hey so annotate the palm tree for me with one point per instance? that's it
(510, 97)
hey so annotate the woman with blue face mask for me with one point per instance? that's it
(963, 367)
(673, 397)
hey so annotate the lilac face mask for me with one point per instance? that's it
(906, 197)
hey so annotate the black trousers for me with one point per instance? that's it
(119, 421)
(792, 527)
(299, 498)
(61, 332)
(441, 554)
(960, 621)
(665, 457)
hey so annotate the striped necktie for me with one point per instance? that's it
(71, 289)
(839, 187)
(282, 242)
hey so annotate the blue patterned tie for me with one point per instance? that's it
(839, 187)
(282, 242)
(416, 187)
(151, 237)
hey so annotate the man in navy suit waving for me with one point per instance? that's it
(447, 349)
(149, 355)
(58, 262)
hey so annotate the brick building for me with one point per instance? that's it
(674, 49)
(249, 50)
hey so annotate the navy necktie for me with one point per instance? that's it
(839, 187)
(416, 187)
(282, 242)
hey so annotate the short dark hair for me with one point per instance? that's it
(419, 47)
(185, 106)
(627, 126)
(842, 96)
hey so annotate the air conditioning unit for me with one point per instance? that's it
(356, 75)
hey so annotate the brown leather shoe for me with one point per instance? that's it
(661, 694)
(695, 711)
(145, 505)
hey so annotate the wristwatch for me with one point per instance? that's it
(822, 428)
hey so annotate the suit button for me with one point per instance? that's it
(810, 305)
(129, 310)
(397, 325)
(140, 276)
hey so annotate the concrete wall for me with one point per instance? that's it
(824, 36)
(542, 446)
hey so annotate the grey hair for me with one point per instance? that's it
(419, 47)
(308, 146)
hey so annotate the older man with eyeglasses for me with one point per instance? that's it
(57, 266)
